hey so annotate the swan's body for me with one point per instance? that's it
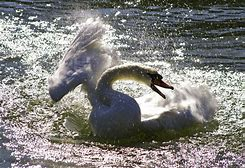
(114, 114)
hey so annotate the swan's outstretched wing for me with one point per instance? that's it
(87, 57)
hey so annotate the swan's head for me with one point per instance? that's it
(156, 80)
(152, 78)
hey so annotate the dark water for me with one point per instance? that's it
(202, 42)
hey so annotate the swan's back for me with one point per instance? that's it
(86, 59)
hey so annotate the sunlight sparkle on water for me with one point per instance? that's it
(32, 126)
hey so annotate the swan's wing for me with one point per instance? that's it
(183, 107)
(87, 57)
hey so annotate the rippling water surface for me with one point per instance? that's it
(202, 43)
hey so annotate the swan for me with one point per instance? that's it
(90, 61)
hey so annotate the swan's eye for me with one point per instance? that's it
(155, 76)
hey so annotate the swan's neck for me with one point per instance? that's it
(129, 72)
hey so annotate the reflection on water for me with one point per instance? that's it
(199, 43)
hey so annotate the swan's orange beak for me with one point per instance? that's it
(162, 84)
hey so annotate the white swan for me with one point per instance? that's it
(89, 61)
